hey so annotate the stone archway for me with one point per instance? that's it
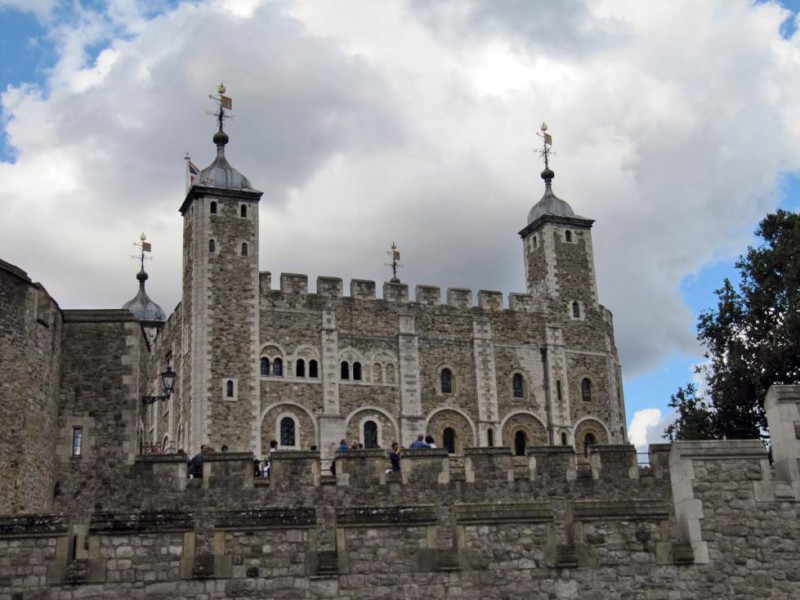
(588, 432)
(304, 431)
(386, 432)
(460, 434)
(523, 426)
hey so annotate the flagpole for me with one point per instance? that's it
(186, 160)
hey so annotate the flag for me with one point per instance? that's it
(396, 254)
(192, 171)
(548, 139)
(147, 247)
(225, 102)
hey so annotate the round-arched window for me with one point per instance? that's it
(370, 434)
(449, 439)
(287, 431)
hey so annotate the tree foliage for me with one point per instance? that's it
(751, 339)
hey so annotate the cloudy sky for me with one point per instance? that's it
(676, 125)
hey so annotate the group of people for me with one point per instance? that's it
(262, 468)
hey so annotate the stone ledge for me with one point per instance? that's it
(141, 522)
(33, 526)
(373, 516)
(486, 514)
(266, 518)
(620, 510)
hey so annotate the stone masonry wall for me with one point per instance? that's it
(550, 530)
(30, 351)
(368, 331)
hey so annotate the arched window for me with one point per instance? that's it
(568, 235)
(490, 437)
(389, 373)
(449, 439)
(229, 388)
(212, 246)
(356, 371)
(370, 434)
(377, 373)
(313, 369)
(588, 442)
(264, 366)
(558, 389)
(300, 368)
(345, 370)
(517, 384)
(277, 367)
(243, 211)
(446, 377)
(576, 310)
(287, 431)
(244, 248)
(520, 443)
(586, 389)
(563, 439)
(213, 208)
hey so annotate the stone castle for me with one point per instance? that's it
(533, 491)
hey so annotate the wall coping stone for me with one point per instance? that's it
(111, 315)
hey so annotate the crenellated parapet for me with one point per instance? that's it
(295, 284)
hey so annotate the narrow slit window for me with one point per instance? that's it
(568, 235)
(446, 378)
(449, 439)
(229, 389)
(558, 390)
(520, 443)
(244, 248)
(77, 441)
(490, 437)
(576, 310)
(287, 432)
(370, 434)
(212, 246)
(518, 384)
(213, 208)
(586, 389)
(243, 211)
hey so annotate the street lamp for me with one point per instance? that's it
(168, 381)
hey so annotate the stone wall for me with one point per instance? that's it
(30, 351)
(402, 347)
(704, 520)
(100, 394)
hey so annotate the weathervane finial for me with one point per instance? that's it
(224, 102)
(143, 246)
(547, 142)
(395, 254)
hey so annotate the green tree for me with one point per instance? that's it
(694, 420)
(751, 339)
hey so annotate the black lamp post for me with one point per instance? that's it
(168, 381)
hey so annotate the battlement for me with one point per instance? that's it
(295, 284)
(615, 465)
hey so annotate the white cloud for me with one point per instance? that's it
(365, 123)
(41, 8)
(647, 427)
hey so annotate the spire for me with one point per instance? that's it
(142, 307)
(550, 204)
(395, 254)
(220, 173)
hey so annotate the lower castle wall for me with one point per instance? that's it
(542, 528)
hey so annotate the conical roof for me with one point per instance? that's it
(142, 307)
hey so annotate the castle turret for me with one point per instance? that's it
(559, 261)
(220, 303)
(149, 314)
(582, 375)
